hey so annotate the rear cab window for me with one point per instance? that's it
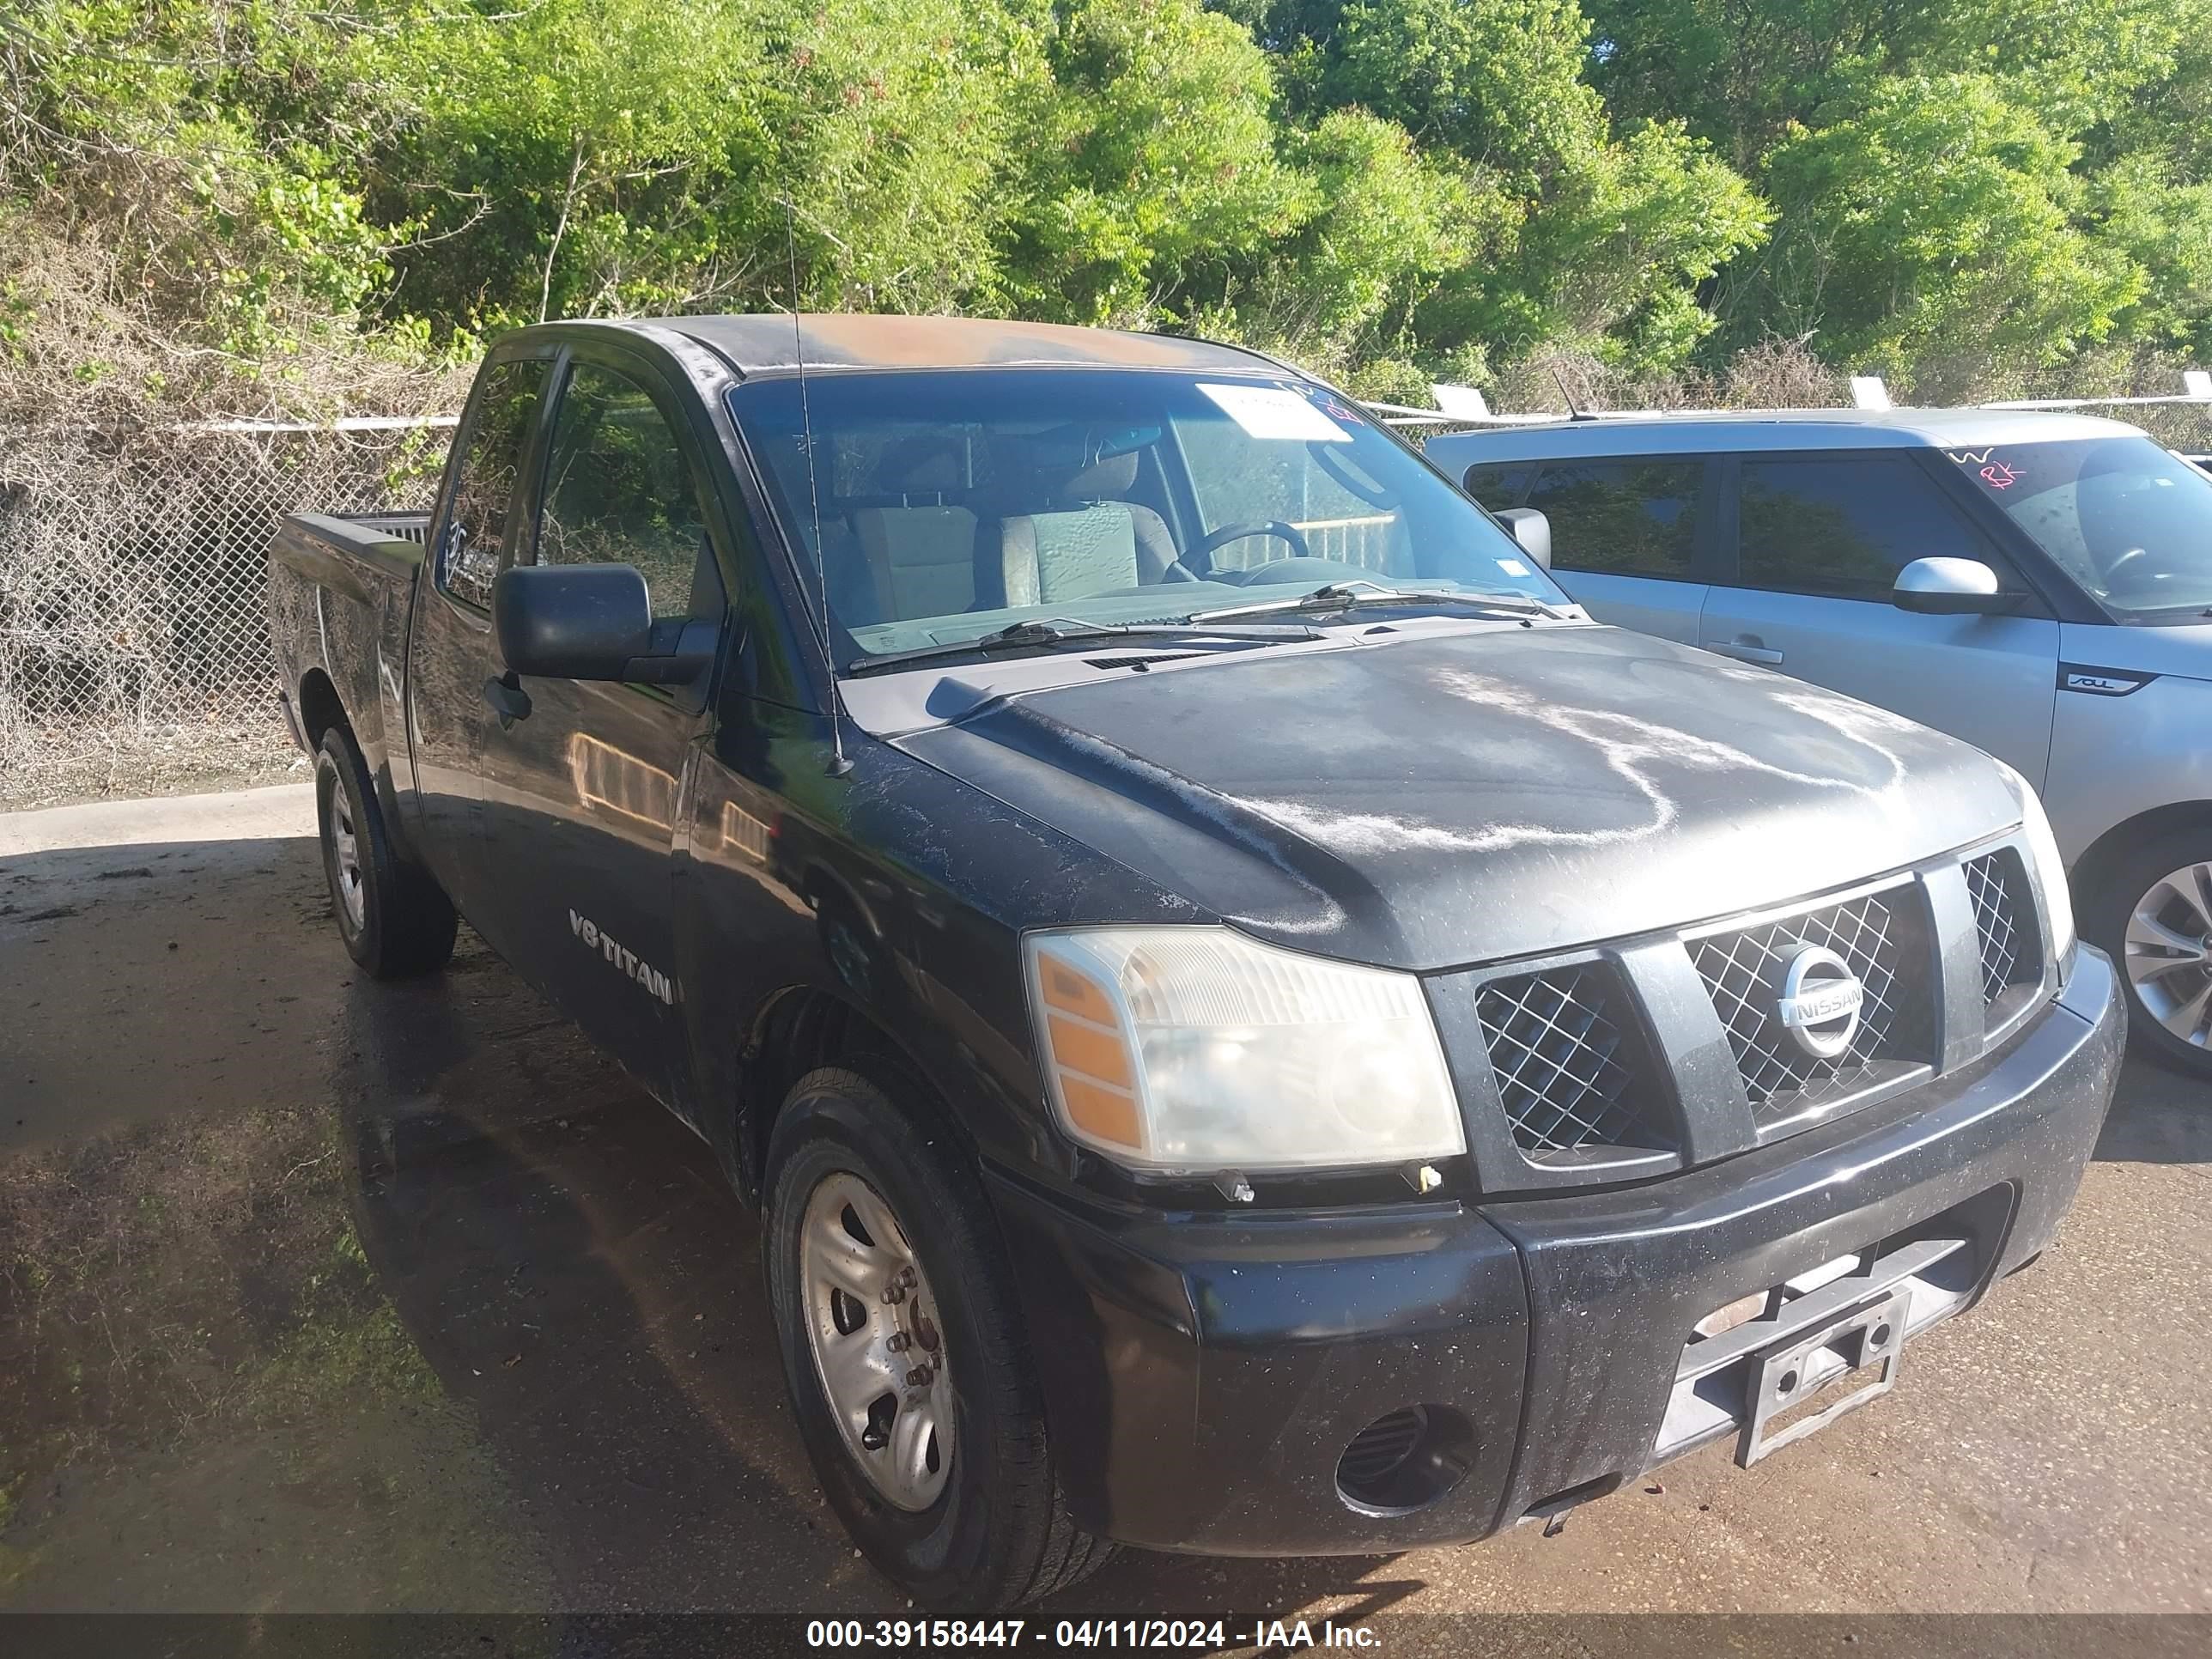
(1237, 478)
(487, 467)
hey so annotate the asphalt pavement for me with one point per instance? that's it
(318, 1294)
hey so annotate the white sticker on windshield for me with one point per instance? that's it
(1513, 567)
(1269, 412)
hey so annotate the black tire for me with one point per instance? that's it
(997, 1533)
(397, 922)
(2105, 913)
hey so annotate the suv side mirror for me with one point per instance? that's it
(1532, 530)
(1949, 588)
(592, 621)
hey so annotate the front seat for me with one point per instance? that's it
(1087, 542)
(921, 553)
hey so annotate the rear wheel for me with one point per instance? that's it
(2154, 914)
(908, 1370)
(394, 918)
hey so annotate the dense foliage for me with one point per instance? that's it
(1981, 190)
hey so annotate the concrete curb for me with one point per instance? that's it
(283, 809)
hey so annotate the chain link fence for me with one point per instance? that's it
(134, 648)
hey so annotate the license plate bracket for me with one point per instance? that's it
(1800, 1367)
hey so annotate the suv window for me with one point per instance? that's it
(499, 430)
(1846, 525)
(619, 492)
(1498, 484)
(1627, 517)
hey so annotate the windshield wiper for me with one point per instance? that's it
(1342, 596)
(1044, 633)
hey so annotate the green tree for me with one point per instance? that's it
(1938, 222)
(1150, 168)
(1382, 226)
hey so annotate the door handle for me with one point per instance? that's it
(507, 699)
(1747, 650)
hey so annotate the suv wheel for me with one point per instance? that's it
(908, 1367)
(394, 918)
(2154, 917)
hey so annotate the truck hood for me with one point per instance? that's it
(1500, 793)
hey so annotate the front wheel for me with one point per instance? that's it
(907, 1366)
(2154, 914)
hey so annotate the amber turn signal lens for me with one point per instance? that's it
(1091, 1059)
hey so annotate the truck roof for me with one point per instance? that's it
(1695, 432)
(767, 344)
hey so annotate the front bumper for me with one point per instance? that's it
(1203, 1376)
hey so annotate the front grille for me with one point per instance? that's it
(1571, 1075)
(1883, 937)
(2004, 920)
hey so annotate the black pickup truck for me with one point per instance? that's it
(1253, 1024)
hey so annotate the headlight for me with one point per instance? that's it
(1196, 1049)
(2049, 867)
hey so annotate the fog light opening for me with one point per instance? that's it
(1406, 1460)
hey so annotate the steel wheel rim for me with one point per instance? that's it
(345, 854)
(2168, 952)
(879, 1351)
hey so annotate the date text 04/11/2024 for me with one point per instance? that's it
(1200, 1634)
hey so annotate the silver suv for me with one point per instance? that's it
(2038, 584)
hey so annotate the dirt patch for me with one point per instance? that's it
(190, 1333)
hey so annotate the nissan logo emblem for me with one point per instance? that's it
(1818, 1000)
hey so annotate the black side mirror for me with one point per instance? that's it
(1532, 530)
(1950, 588)
(592, 621)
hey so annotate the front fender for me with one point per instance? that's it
(2115, 757)
(895, 890)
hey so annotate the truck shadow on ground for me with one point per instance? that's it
(2158, 1116)
(356, 1295)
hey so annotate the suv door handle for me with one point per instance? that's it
(1747, 650)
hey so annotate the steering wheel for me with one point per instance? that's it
(1237, 532)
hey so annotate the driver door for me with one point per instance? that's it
(582, 795)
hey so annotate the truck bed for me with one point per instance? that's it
(341, 588)
(331, 549)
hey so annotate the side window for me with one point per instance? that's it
(499, 432)
(1845, 526)
(1497, 483)
(1626, 518)
(619, 492)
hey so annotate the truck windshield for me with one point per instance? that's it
(2128, 520)
(953, 504)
